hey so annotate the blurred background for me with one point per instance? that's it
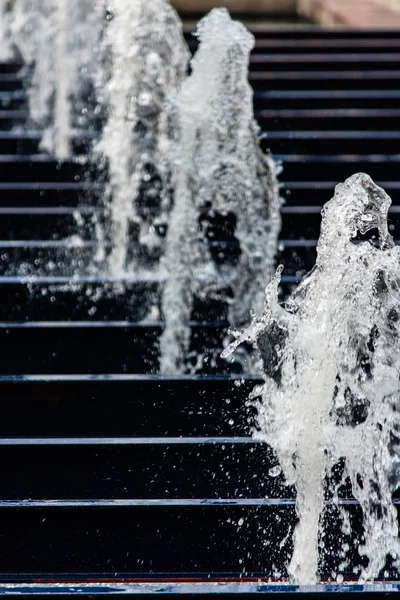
(352, 13)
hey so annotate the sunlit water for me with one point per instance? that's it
(58, 42)
(218, 168)
(145, 61)
(5, 38)
(172, 148)
(331, 362)
(175, 149)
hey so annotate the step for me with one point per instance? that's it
(329, 119)
(138, 472)
(94, 298)
(11, 118)
(263, 31)
(98, 347)
(42, 168)
(139, 540)
(332, 61)
(111, 405)
(331, 141)
(12, 100)
(324, 80)
(10, 82)
(28, 142)
(324, 99)
(381, 167)
(194, 587)
(318, 192)
(38, 224)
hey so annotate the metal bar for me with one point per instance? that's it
(299, 243)
(50, 186)
(54, 210)
(169, 502)
(57, 245)
(354, 113)
(13, 114)
(156, 503)
(29, 244)
(104, 324)
(126, 377)
(384, 57)
(311, 210)
(321, 94)
(79, 245)
(333, 134)
(12, 77)
(170, 587)
(128, 441)
(35, 134)
(40, 158)
(325, 75)
(16, 95)
(79, 280)
(325, 185)
(337, 158)
(324, 43)
(313, 31)
(94, 279)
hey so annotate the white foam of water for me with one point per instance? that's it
(5, 40)
(148, 62)
(332, 362)
(32, 31)
(218, 163)
(58, 40)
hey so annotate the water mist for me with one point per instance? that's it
(217, 167)
(331, 362)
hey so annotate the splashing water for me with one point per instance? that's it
(57, 40)
(5, 40)
(149, 59)
(31, 28)
(218, 168)
(331, 361)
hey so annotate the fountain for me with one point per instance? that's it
(169, 147)
(5, 41)
(147, 61)
(180, 154)
(331, 365)
(217, 169)
(58, 42)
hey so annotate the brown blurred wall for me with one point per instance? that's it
(243, 6)
(353, 13)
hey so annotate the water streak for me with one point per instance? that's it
(218, 169)
(331, 361)
(147, 62)
(5, 39)
(57, 41)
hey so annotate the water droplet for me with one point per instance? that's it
(275, 471)
(144, 99)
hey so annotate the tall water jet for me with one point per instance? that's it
(331, 362)
(32, 31)
(218, 168)
(5, 40)
(58, 41)
(148, 61)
